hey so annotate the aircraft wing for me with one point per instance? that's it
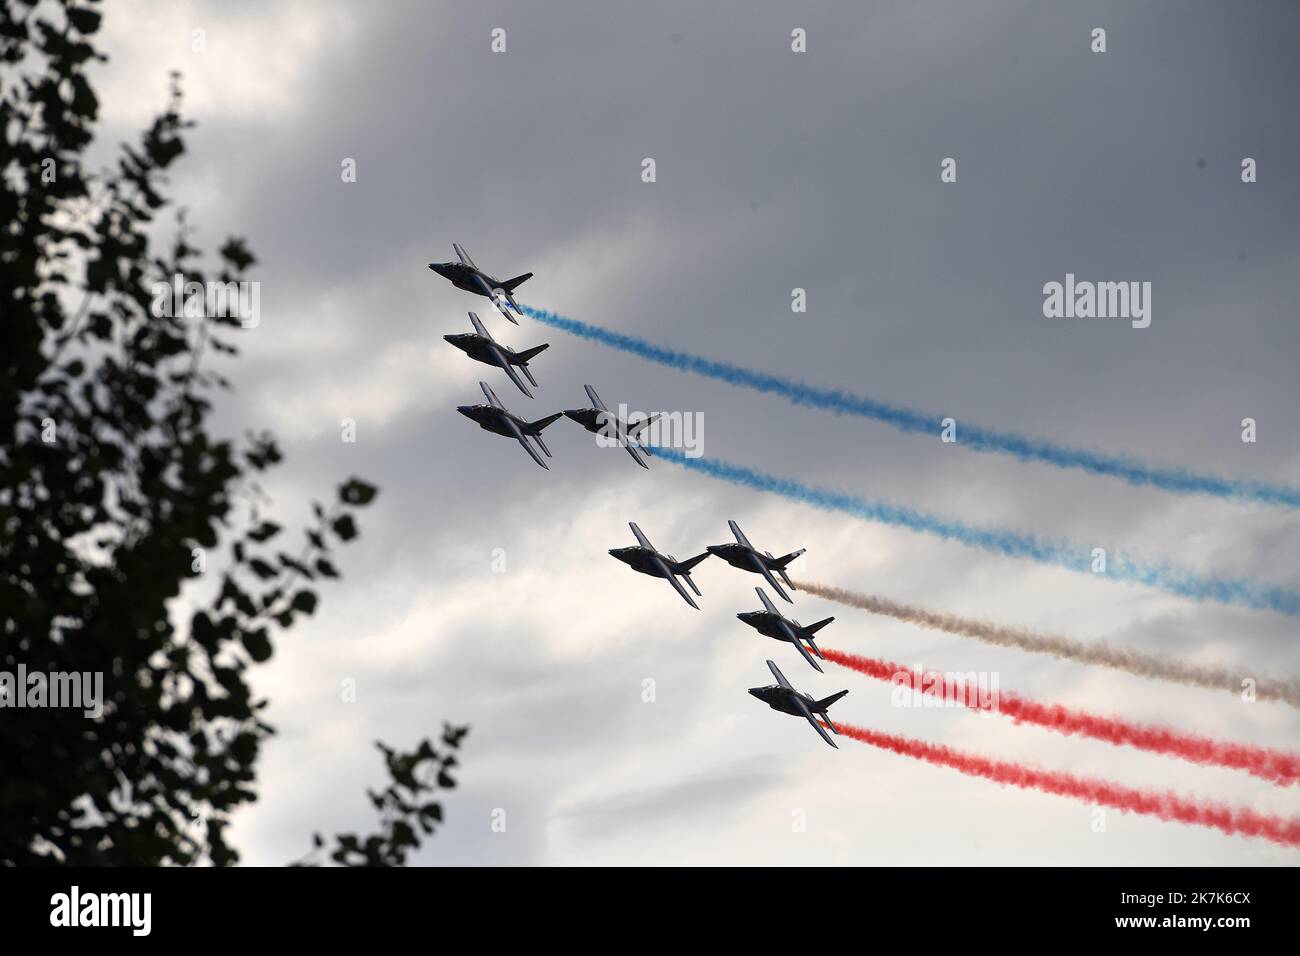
(508, 369)
(641, 539)
(786, 629)
(672, 579)
(806, 656)
(761, 568)
(631, 450)
(789, 634)
(595, 399)
(491, 396)
(519, 436)
(813, 720)
(487, 291)
(740, 535)
(464, 256)
(478, 327)
(780, 678)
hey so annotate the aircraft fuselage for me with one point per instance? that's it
(737, 555)
(779, 698)
(462, 277)
(492, 419)
(640, 559)
(479, 348)
(767, 624)
(595, 421)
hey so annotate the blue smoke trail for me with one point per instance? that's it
(1239, 592)
(1134, 472)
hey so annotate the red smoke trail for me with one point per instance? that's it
(1277, 766)
(1167, 806)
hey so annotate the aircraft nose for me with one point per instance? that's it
(756, 693)
(572, 413)
(464, 410)
(713, 548)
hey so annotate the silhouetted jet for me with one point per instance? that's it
(481, 347)
(770, 623)
(496, 419)
(465, 275)
(647, 560)
(745, 556)
(600, 420)
(781, 696)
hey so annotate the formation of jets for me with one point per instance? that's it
(480, 346)
(642, 557)
(769, 622)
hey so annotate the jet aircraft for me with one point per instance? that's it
(465, 275)
(771, 623)
(481, 347)
(783, 697)
(600, 420)
(497, 419)
(644, 558)
(745, 556)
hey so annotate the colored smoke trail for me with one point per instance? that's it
(1276, 766)
(1099, 654)
(1012, 544)
(1234, 821)
(1177, 480)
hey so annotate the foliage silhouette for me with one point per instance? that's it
(114, 492)
(404, 816)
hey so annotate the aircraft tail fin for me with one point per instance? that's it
(541, 423)
(642, 423)
(827, 701)
(528, 375)
(527, 355)
(781, 562)
(685, 566)
(814, 628)
(687, 578)
(535, 431)
(510, 284)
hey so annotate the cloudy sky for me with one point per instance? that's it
(775, 170)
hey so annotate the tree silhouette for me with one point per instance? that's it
(113, 492)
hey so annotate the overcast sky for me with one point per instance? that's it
(775, 170)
